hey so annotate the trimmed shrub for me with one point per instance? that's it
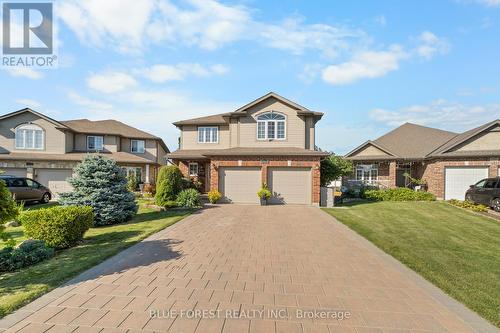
(100, 183)
(60, 226)
(28, 253)
(214, 196)
(398, 194)
(469, 205)
(168, 184)
(189, 198)
(170, 204)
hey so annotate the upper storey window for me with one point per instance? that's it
(208, 134)
(271, 125)
(29, 136)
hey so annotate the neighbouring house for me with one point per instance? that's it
(35, 146)
(447, 162)
(270, 140)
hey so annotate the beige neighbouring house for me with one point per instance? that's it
(448, 162)
(36, 146)
(270, 140)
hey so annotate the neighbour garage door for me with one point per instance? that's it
(458, 180)
(290, 185)
(239, 184)
(18, 172)
(54, 179)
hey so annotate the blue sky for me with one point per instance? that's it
(368, 65)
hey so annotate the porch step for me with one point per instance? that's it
(204, 198)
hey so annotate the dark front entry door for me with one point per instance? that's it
(400, 178)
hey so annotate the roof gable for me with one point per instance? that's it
(58, 124)
(369, 149)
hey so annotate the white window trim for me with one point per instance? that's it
(95, 136)
(370, 179)
(275, 127)
(197, 168)
(207, 127)
(132, 146)
(29, 126)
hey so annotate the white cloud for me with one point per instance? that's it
(110, 82)
(381, 20)
(26, 72)
(117, 23)
(163, 73)
(364, 65)
(30, 103)
(295, 36)
(489, 3)
(89, 103)
(439, 113)
(430, 45)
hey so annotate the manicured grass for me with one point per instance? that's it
(456, 250)
(21, 287)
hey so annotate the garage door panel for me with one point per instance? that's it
(290, 185)
(458, 180)
(55, 179)
(239, 184)
(17, 172)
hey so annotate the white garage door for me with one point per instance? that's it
(239, 184)
(18, 172)
(54, 179)
(290, 185)
(458, 181)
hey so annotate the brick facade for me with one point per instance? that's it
(433, 171)
(263, 162)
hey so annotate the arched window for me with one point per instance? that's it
(271, 125)
(29, 136)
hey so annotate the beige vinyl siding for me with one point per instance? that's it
(69, 141)
(370, 151)
(290, 185)
(110, 143)
(295, 126)
(310, 135)
(190, 138)
(487, 141)
(233, 131)
(54, 139)
(80, 142)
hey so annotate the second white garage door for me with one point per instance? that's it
(290, 185)
(54, 179)
(458, 180)
(239, 184)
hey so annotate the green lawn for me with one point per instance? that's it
(21, 287)
(456, 250)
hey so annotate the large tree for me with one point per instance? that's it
(100, 183)
(333, 167)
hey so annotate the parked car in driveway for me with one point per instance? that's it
(486, 192)
(26, 189)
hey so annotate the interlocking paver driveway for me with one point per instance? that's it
(265, 265)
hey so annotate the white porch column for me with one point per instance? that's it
(147, 174)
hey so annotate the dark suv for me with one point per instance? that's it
(486, 192)
(25, 189)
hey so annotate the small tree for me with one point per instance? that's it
(100, 183)
(333, 167)
(168, 184)
(132, 182)
(8, 212)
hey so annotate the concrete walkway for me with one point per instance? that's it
(236, 268)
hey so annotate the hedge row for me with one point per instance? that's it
(398, 194)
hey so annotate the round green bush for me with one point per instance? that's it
(189, 198)
(168, 184)
(28, 253)
(60, 226)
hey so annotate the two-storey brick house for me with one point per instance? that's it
(36, 146)
(270, 140)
